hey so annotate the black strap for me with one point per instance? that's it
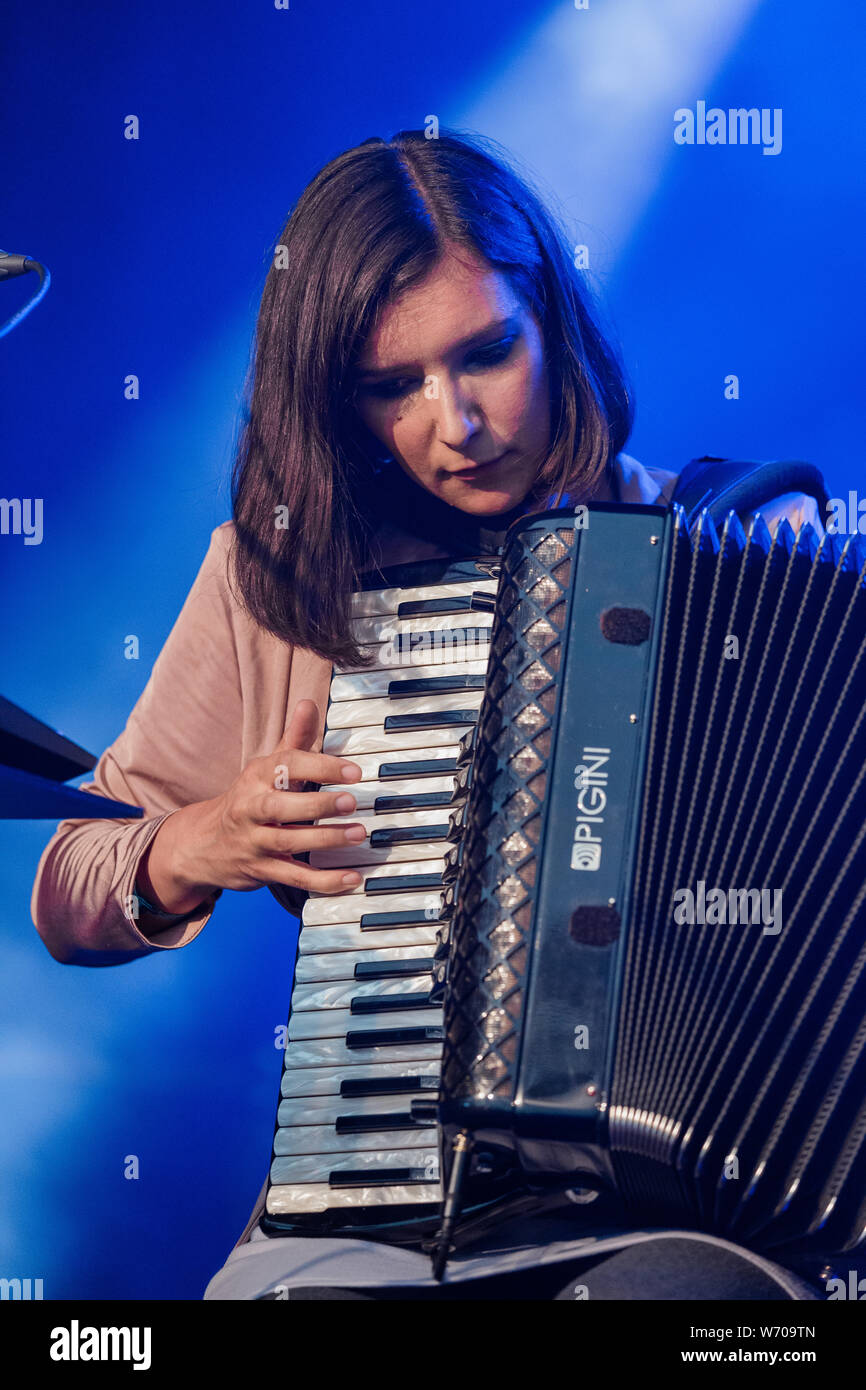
(744, 485)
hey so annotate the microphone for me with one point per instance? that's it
(12, 265)
(15, 265)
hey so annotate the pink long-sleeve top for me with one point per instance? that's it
(220, 693)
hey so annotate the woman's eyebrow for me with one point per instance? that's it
(498, 326)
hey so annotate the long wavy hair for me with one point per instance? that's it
(371, 224)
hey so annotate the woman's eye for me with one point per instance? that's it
(482, 357)
(495, 353)
(389, 390)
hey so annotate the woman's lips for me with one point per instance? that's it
(477, 467)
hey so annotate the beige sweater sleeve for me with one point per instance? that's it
(183, 742)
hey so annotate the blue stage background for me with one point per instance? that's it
(711, 261)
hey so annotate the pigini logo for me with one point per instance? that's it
(77, 1343)
(21, 1289)
(737, 126)
(590, 783)
(738, 906)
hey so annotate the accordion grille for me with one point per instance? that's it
(740, 1069)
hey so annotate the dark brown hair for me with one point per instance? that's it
(371, 224)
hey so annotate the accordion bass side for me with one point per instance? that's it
(657, 958)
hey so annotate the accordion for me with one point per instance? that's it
(648, 958)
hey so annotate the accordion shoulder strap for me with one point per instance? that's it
(742, 485)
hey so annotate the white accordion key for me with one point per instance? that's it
(365, 741)
(371, 764)
(345, 714)
(341, 995)
(370, 631)
(366, 794)
(325, 1141)
(416, 1078)
(383, 602)
(349, 936)
(318, 1198)
(418, 878)
(340, 965)
(386, 681)
(342, 1023)
(353, 906)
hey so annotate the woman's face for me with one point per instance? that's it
(453, 381)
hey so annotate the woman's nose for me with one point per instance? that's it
(456, 412)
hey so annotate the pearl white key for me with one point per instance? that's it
(367, 793)
(353, 714)
(374, 684)
(349, 937)
(290, 1200)
(393, 820)
(386, 871)
(373, 602)
(339, 1023)
(371, 631)
(340, 965)
(326, 1110)
(320, 997)
(367, 740)
(333, 1052)
(354, 906)
(356, 856)
(326, 1081)
(323, 1139)
(402, 655)
(370, 763)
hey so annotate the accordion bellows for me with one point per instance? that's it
(657, 978)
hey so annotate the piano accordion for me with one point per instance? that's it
(621, 950)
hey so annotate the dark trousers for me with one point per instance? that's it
(675, 1268)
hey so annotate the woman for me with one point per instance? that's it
(427, 368)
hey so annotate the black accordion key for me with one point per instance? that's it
(387, 1003)
(441, 607)
(424, 767)
(371, 1124)
(434, 685)
(393, 969)
(407, 835)
(388, 1085)
(402, 883)
(441, 719)
(409, 917)
(421, 801)
(384, 1177)
(394, 1037)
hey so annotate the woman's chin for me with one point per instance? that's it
(485, 501)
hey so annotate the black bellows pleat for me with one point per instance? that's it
(739, 1079)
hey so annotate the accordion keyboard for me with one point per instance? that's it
(356, 1124)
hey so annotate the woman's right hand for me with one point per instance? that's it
(248, 836)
